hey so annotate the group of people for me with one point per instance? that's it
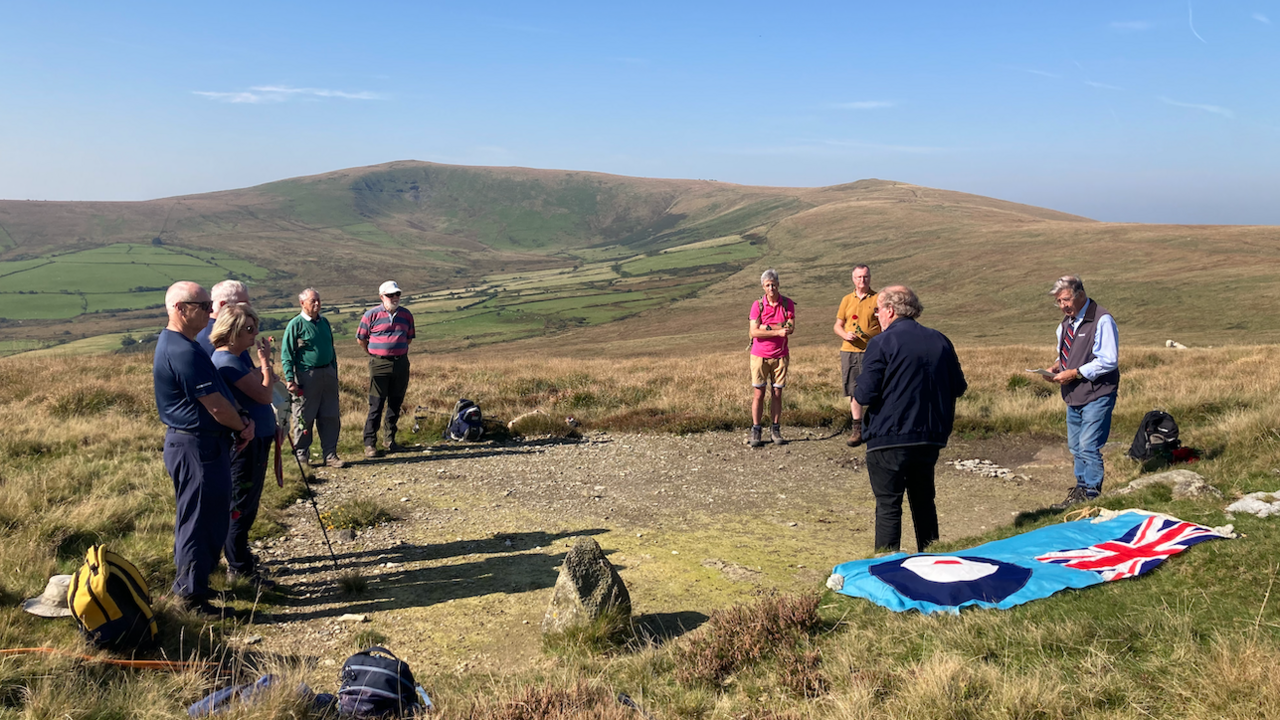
(903, 380)
(221, 420)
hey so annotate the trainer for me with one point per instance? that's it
(227, 292)
(856, 323)
(1088, 370)
(910, 381)
(385, 333)
(772, 321)
(311, 373)
(203, 425)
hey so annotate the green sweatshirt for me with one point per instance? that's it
(306, 345)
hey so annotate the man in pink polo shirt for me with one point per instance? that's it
(773, 319)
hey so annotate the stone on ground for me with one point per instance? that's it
(1186, 484)
(588, 587)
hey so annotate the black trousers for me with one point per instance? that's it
(388, 383)
(248, 474)
(899, 470)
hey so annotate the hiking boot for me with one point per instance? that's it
(755, 440)
(775, 436)
(253, 577)
(392, 446)
(370, 451)
(1075, 497)
(304, 459)
(200, 607)
(855, 437)
(334, 461)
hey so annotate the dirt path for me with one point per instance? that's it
(693, 523)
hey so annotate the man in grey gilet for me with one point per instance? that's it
(1088, 369)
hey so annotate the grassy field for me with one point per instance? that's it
(80, 460)
(116, 277)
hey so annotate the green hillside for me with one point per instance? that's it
(530, 252)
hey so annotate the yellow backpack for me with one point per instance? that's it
(110, 600)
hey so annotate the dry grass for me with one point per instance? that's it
(80, 463)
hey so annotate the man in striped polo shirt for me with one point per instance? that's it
(385, 333)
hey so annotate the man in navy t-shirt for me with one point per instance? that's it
(203, 423)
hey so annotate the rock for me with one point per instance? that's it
(345, 535)
(588, 587)
(1186, 484)
(352, 617)
(1261, 504)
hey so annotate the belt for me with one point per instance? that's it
(198, 433)
(391, 357)
(184, 432)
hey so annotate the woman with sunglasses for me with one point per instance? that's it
(235, 332)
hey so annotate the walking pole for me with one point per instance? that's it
(284, 399)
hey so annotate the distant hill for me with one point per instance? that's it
(981, 265)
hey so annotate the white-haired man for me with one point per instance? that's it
(856, 324)
(227, 292)
(311, 372)
(909, 386)
(772, 321)
(1088, 370)
(385, 332)
(203, 426)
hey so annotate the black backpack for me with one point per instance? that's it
(1157, 435)
(377, 684)
(467, 423)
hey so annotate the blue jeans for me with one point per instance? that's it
(1088, 427)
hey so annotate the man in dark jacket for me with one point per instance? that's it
(910, 380)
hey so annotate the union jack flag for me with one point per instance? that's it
(1140, 549)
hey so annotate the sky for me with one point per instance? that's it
(1125, 110)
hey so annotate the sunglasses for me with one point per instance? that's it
(392, 295)
(206, 306)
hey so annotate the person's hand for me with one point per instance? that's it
(851, 336)
(1065, 377)
(245, 435)
(294, 388)
(787, 330)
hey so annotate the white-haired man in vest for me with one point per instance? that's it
(1088, 370)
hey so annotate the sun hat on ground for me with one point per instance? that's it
(389, 287)
(52, 603)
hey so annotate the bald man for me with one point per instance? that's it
(204, 425)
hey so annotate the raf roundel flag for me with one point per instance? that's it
(1022, 568)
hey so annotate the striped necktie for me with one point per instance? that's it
(1068, 334)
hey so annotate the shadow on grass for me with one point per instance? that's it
(659, 628)
(507, 570)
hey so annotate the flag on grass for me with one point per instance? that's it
(1022, 568)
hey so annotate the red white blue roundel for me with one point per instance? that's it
(952, 579)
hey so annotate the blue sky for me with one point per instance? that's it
(1124, 111)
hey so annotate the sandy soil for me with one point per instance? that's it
(461, 580)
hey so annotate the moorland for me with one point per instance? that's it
(620, 302)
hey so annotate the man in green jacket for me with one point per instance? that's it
(311, 372)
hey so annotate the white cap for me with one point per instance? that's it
(388, 287)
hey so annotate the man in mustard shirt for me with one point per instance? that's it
(856, 323)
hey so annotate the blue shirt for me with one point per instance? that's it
(1106, 344)
(232, 368)
(183, 374)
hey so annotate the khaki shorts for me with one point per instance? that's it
(765, 371)
(850, 369)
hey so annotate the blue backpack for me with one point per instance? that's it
(467, 423)
(377, 684)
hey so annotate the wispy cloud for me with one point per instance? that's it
(1215, 109)
(866, 105)
(824, 148)
(1262, 18)
(1191, 24)
(1041, 73)
(1103, 86)
(909, 149)
(262, 94)
(1131, 26)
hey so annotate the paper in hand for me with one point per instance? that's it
(1041, 373)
